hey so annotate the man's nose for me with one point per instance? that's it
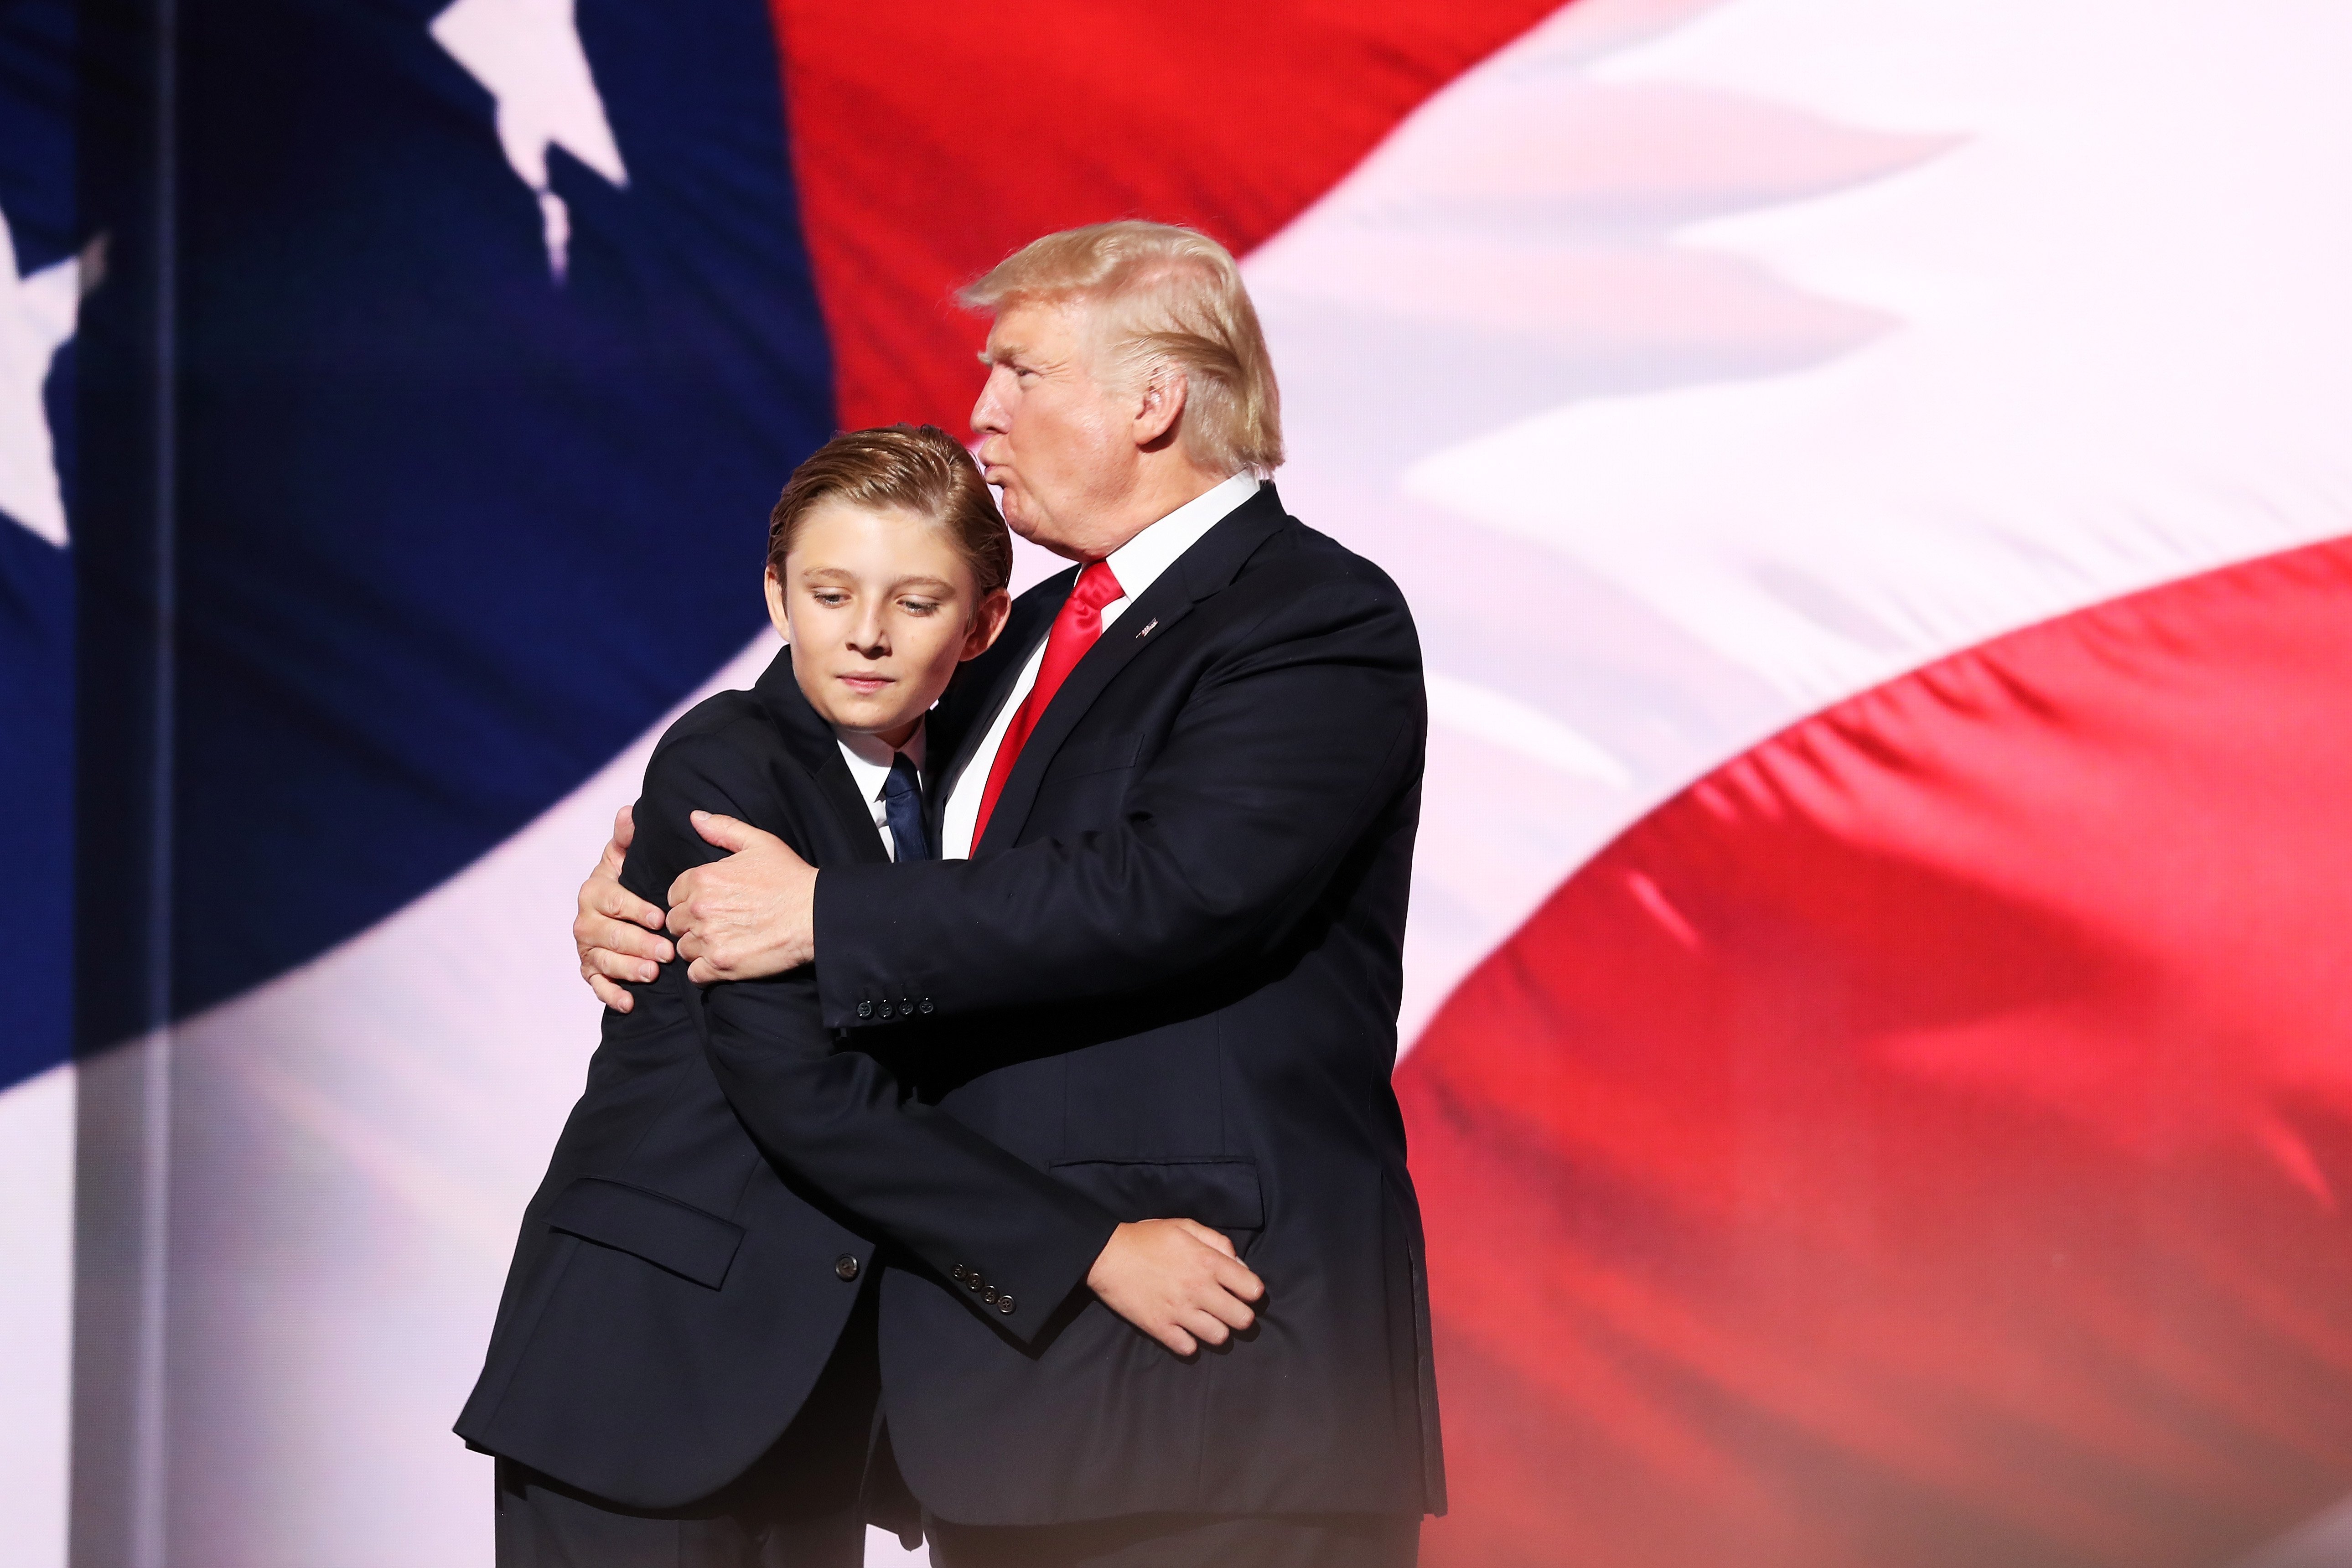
(988, 413)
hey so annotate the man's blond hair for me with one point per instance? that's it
(1167, 296)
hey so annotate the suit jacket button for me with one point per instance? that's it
(845, 1266)
(1004, 1305)
(866, 1009)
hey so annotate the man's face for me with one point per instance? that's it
(1056, 441)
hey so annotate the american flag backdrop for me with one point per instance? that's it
(1875, 481)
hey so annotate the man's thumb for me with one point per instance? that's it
(724, 831)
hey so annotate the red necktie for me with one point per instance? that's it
(1075, 631)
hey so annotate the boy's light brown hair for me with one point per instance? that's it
(918, 468)
(1160, 295)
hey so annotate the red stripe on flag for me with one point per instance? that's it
(1929, 1139)
(932, 139)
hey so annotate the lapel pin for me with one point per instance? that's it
(1147, 628)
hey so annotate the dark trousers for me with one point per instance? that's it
(802, 1505)
(1185, 1540)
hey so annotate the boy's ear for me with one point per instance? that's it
(987, 623)
(776, 615)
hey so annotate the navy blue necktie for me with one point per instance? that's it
(902, 803)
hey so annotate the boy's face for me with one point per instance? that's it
(879, 609)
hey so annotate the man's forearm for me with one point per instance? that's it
(1105, 914)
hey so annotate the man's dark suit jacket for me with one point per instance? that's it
(714, 1205)
(1174, 965)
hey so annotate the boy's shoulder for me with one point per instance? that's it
(727, 745)
(723, 728)
(715, 717)
(721, 755)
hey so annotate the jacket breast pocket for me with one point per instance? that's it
(666, 1233)
(1221, 1193)
(1088, 757)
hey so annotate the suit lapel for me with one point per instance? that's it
(1209, 565)
(811, 743)
(979, 692)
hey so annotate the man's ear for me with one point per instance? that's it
(987, 625)
(1160, 406)
(776, 617)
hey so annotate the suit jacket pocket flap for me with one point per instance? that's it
(1221, 1193)
(661, 1230)
(1097, 757)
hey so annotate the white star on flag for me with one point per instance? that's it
(528, 55)
(37, 317)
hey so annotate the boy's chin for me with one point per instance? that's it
(866, 718)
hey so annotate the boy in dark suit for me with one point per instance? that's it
(683, 1369)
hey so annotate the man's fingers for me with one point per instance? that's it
(702, 973)
(597, 934)
(612, 995)
(681, 889)
(725, 831)
(607, 896)
(625, 968)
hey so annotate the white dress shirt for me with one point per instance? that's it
(1137, 565)
(869, 763)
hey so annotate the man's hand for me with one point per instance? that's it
(1178, 1281)
(750, 915)
(611, 947)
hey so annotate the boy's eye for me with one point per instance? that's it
(918, 606)
(831, 596)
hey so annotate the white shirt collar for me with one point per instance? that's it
(872, 754)
(869, 767)
(1139, 562)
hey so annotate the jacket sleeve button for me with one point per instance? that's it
(973, 1281)
(959, 1274)
(1004, 1305)
(845, 1266)
(927, 1004)
(886, 1010)
(988, 1294)
(866, 1009)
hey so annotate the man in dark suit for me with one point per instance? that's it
(1187, 778)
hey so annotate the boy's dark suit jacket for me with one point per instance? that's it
(1170, 976)
(674, 1293)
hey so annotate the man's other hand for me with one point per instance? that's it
(616, 933)
(1178, 1281)
(750, 915)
